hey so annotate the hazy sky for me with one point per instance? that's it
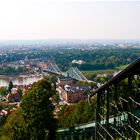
(81, 19)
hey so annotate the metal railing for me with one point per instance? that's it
(120, 97)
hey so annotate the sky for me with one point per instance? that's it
(69, 19)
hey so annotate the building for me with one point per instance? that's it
(62, 81)
(14, 96)
(74, 94)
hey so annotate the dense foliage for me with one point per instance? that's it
(12, 70)
(105, 58)
(73, 115)
(3, 91)
(10, 86)
(34, 119)
(98, 59)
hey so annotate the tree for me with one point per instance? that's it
(13, 118)
(55, 98)
(10, 86)
(54, 80)
(36, 115)
(73, 115)
(3, 91)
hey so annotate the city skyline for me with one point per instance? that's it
(76, 19)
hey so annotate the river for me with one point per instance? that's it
(20, 80)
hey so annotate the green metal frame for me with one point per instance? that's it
(117, 112)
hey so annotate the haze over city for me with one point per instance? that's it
(76, 19)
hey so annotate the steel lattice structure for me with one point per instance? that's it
(74, 73)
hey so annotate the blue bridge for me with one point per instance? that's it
(73, 72)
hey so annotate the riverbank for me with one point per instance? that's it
(20, 80)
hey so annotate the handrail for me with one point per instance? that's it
(92, 123)
(125, 72)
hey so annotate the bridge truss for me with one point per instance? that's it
(74, 73)
(53, 68)
(117, 111)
